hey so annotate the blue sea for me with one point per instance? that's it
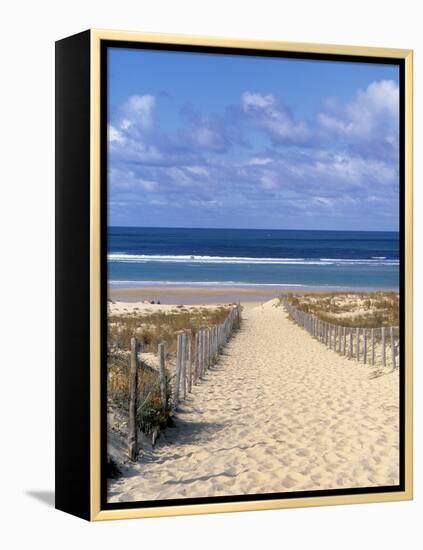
(346, 259)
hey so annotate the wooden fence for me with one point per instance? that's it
(195, 354)
(374, 346)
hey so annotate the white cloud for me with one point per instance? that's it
(381, 97)
(131, 132)
(198, 170)
(148, 185)
(353, 170)
(206, 138)
(334, 164)
(370, 121)
(204, 203)
(258, 161)
(125, 180)
(179, 176)
(323, 201)
(139, 111)
(250, 100)
(269, 180)
(114, 135)
(160, 202)
(272, 117)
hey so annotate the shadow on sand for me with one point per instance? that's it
(380, 372)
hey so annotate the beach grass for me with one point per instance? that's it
(350, 309)
(150, 327)
(151, 414)
(154, 327)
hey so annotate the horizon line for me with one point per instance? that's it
(255, 229)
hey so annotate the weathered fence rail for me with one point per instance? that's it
(194, 356)
(374, 346)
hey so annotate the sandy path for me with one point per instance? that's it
(280, 412)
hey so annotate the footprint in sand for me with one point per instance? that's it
(302, 452)
(292, 480)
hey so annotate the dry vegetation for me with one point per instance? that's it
(352, 309)
(150, 328)
(151, 414)
(153, 327)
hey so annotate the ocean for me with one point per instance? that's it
(140, 256)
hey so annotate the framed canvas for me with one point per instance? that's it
(233, 275)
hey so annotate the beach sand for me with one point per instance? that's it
(202, 294)
(196, 294)
(279, 412)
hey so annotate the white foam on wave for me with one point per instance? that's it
(120, 257)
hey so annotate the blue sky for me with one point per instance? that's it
(201, 140)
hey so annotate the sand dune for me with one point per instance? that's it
(279, 412)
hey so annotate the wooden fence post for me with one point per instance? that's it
(393, 348)
(196, 358)
(205, 364)
(335, 336)
(184, 366)
(200, 353)
(178, 370)
(373, 346)
(345, 340)
(208, 348)
(203, 352)
(133, 402)
(162, 371)
(189, 361)
(365, 346)
(357, 331)
(211, 345)
(383, 347)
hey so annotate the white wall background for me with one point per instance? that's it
(28, 32)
